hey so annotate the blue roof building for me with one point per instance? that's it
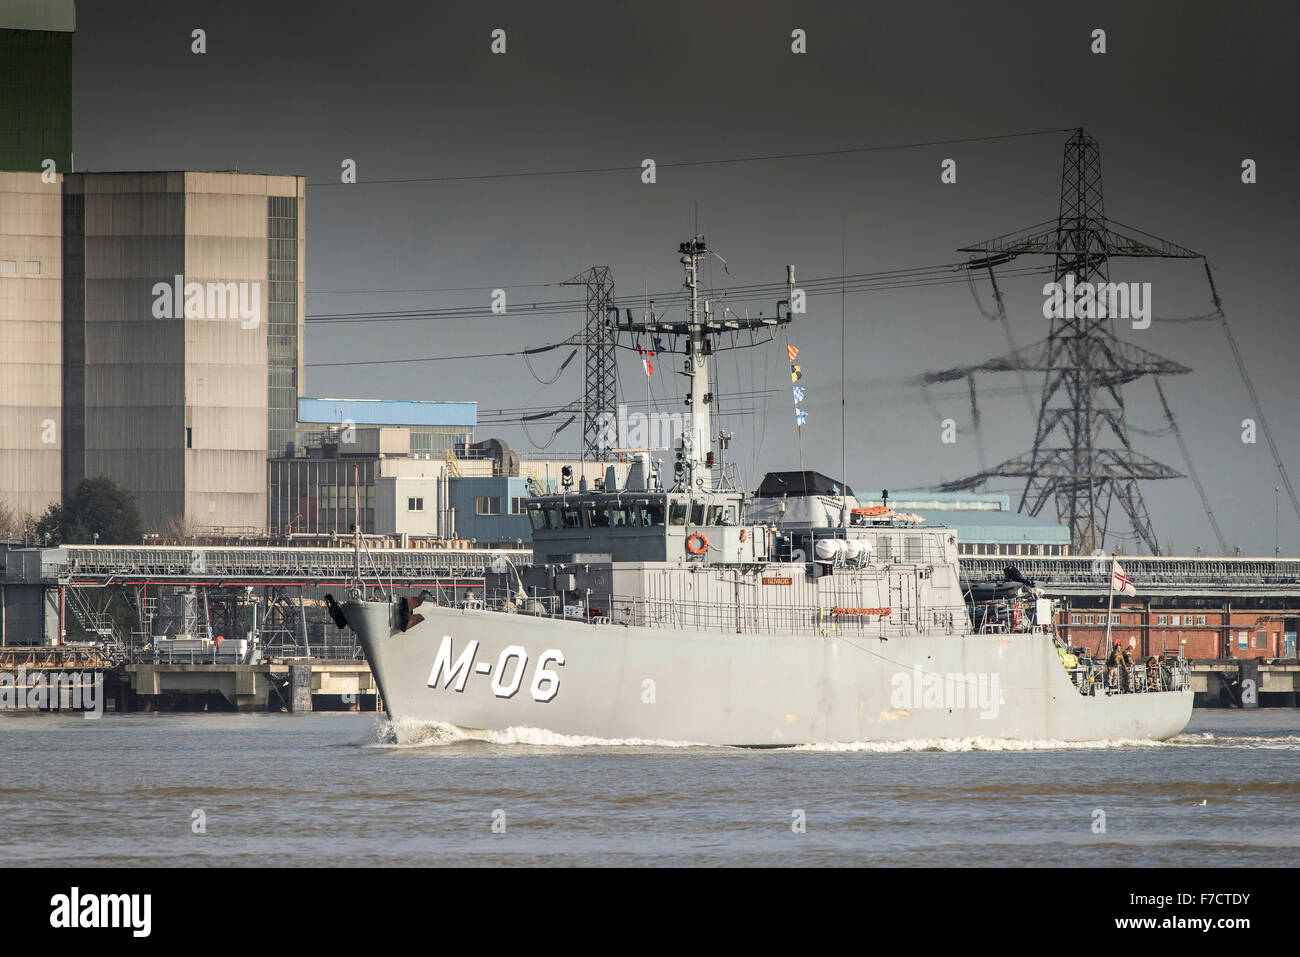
(984, 523)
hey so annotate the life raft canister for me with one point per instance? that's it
(697, 544)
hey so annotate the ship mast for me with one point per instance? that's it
(696, 459)
(698, 440)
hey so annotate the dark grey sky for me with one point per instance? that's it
(1184, 93)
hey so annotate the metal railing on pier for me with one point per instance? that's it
(1153, 574)
(140, 564)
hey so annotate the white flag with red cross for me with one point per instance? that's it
(1119, 581)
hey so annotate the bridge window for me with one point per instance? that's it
(654, 514)
(677, 512)
(572, 517)
(697, 513)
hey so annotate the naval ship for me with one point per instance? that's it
(681, 608)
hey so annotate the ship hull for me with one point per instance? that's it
(485, 670)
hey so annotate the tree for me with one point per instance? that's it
(14, 525)
(9, 523)
(97, 506)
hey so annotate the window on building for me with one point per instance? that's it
(487, 505)
(33, 267)
(1076, 619)
(1261, 639)
(415, 505)
(1162, 619)
(189, 438)
(8, 267)
(1089, 619)
(1200, 619)
(516, 505)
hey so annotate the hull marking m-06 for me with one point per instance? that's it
(509, 670)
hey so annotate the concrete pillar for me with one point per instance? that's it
(1249, 671)
(300, 688)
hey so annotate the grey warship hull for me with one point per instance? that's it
(486, 670)
(662, 607)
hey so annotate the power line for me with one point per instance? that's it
(444, 358)
(862, 283)
(681, 164)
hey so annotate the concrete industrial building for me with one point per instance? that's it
(407, 470)
(182, 336)
(151, 323)
(31, 357)
(152, 331)
(35, 139)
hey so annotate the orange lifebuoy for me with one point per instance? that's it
(697, 544)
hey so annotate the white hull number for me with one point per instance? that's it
(507, 675)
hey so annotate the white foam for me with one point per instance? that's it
(976, 744)
(410, 733)
(1287, 742)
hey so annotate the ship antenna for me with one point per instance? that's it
(844, 449)
(356, 536)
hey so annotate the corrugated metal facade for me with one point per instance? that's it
(35, 85)
(176, 406)
(506, 526)
(30, 345)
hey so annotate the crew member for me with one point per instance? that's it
(1126, 668)
(1112, 666)
(1153, 672)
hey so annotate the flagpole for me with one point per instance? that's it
(1110, 598)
